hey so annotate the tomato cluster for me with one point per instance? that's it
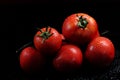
(78, 29)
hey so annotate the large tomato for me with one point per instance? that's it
(48, 40)
(100, 52)
(31, 60)
(68, 58)
(80, 28)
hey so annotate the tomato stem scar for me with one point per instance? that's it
(82, 22)
(45, 34)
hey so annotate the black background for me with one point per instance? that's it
(26, 16)
(30, 16)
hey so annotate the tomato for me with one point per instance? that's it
(69, 58)
(100, 52)
(80, 28)
(31, 60)
(63, 38)
(47, 40)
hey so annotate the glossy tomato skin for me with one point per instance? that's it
(100, 52)
(50, 45)
(31, 60)
(75, 33)
(63, 38)
(69, 58)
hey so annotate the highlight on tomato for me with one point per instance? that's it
(47, 40)
(31, 61)
(100, 52)
(80, 28)
(69, 58)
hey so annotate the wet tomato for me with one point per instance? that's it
(47, 40)
(80, 28)
(69, 58)
(100, 52)
(31, 60)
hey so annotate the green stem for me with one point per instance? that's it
(82, 22)
(46, 34)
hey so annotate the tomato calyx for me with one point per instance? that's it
(45, 34)
(82, 22)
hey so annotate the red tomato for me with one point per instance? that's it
(47, 40)
(68, 58)
(100, 52)
(80, 28)
(63, 38)
(31, 60)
